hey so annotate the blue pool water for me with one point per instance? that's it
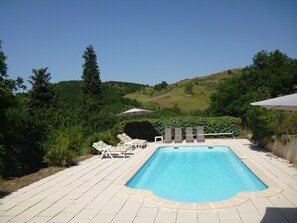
(195, 174)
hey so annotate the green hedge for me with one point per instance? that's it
(152, 127)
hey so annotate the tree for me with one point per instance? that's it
(162, 85)
(3, 66)
(5, 93)
(42, 107)
(91, 94)
(91, 75)
(5, 102)
(11, 123)
(43, 93)
(272, 74)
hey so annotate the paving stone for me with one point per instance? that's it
(62, 217)
(147, 210)
(144, 219)
(247, 218)
(114, 204)
(39, 219)
(40, 206)
(166, 216)
(102, 218)
(206, 217)
(51, 211)
(73, 208)
(79, 220)
(273, 215)
(289, 214)
(87, 213)
(128, 212)
(8, 205)
(184, 216)
(15, 210)
(25, 216)
(229, 216)
(4, 219)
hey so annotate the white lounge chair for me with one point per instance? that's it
(127, 140)
(108, 150)
(124, 141)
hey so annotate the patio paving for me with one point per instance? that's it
(88, 193)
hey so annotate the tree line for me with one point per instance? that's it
(272, 74)
(39, 128)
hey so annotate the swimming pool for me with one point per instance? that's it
(195, 174)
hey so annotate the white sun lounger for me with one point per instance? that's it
(108, 150)
(127, 140)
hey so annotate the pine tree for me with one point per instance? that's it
(91, 94)
(42, 105)
(3, 66)
(91, 74)
(42, 94)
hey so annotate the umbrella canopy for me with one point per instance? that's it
(134, 112)
(288, 102)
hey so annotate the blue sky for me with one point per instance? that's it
(143, 41)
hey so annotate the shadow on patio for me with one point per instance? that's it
(275, 214)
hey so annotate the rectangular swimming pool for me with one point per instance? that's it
(195, 174)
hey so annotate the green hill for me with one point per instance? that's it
(113, 92)
(126, 94)
(174, 94)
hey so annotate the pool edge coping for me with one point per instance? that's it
(241, 198)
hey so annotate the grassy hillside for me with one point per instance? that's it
(175, 94)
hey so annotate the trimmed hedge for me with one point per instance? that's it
(153, 127)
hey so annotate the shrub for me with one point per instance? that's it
(265, 123)
(162, 85)
(152, 127)
(60, 156)
(189, 88)
(211, 124)
(65, 145)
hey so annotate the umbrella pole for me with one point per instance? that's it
(135, 121)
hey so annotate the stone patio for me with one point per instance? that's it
(89, 193)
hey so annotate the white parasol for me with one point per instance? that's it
(134, 112)
(288, 102)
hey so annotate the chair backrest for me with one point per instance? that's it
(127, 137)
(178, 138)
(189, 131)
(178, 132)
(200, 130)
(168, 132)
(98, 146)
(168, 135)
(122, 138)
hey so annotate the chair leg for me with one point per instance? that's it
(102, 154)
(109, 154)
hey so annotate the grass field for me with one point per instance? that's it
(175, 94)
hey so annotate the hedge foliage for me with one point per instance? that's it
(150, 128)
